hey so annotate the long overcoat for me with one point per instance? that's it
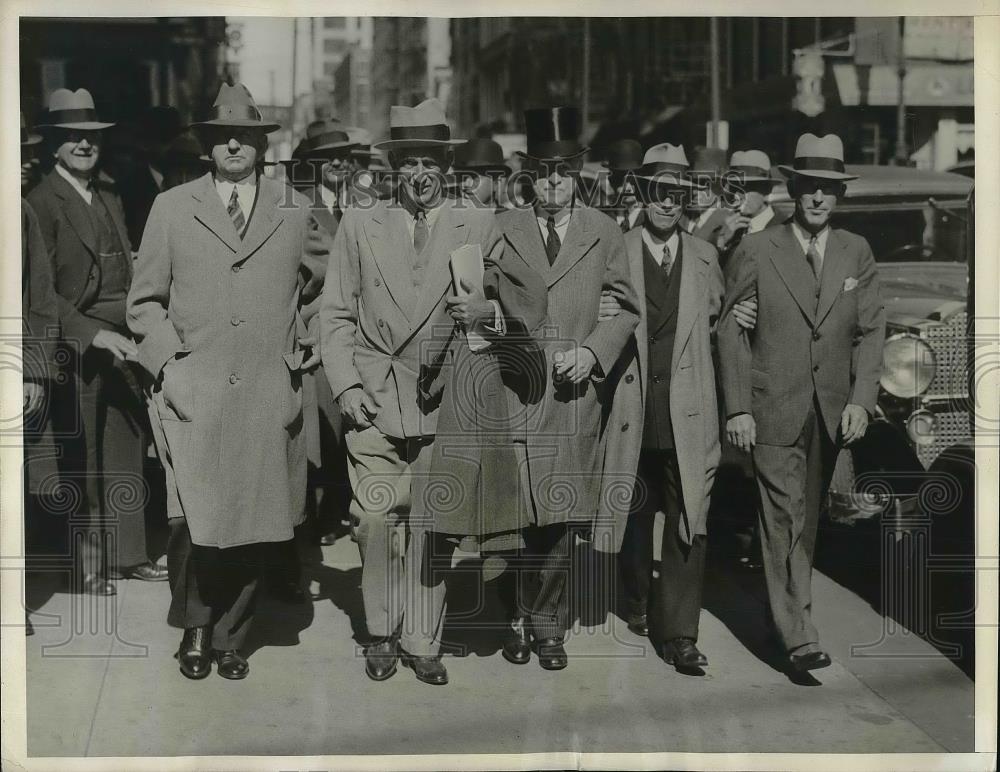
(218, 317)
(560, 423)
(693, 402)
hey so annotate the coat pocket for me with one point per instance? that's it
(759, 380)
(176, 391)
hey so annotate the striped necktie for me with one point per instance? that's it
(814, 258)
(668, 259)
(236, 212)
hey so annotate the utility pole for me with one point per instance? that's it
(902, 157)
(714, 64)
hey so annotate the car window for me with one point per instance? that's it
(910, 235)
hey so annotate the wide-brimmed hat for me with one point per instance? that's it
(625, 155)
(819, 157)
(72, 110)
(665, 164)
(361, 139)
(552, 134)
(322, 137)
(752, 166)
(28, 139)
(421, 126)
(234, 106)
(481, 155)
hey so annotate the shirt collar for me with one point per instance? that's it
(81, 187)
(329, 197)
(247, 183)
(561, 217)
(759, 220)
(655, 244)
(804, 237)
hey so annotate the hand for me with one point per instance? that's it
(734, 224)
(575, 365)
(746, 313)
(119, 345)
(357, 407)
(853, 423)
(470, 306)
(609, 307)
(315, 358)
(34, 396)
(742, 431)
(318, 241)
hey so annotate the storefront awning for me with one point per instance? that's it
(937, 85)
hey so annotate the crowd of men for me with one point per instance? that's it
(455, 353)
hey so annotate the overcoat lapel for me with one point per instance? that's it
(633, 246)
(387, 239)
(692, 294)
(835, 269)
(790, 263)
(448, 234)
(266, 218)
(581, 236)
(524, 236)
(213, 215)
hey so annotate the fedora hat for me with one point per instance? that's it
(665, 164)
(552, 134)
(752, 166)
(26, 138)
(361, 140)
(819, 157)
(480, 155)
(625, 155)
(422, 126)
(234, 106)
(72, 110)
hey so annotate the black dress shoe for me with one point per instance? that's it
(146, 572)
(95, 584)
(517, 646)
(813, 660)
(328, 539)
(380, 659)
(288, 592)
(232, 665)
(551, 654)
(683, 654)
(195, 652)
(430, 670)
(639, 625)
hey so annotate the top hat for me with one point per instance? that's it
(72, 110)
(625, 155)
(234, 106)
(480, 155)
(665, 164)
(421, 126)
(321, 137)
(819, 157)
(752, 166)
(552, 134)
(26, 138)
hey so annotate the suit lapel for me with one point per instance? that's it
(76, 212)
(265, 218)
(835, 269)
(523, 234)
(326, 219)
(388, 241)
(449, 234)
(580, 238)
(790, 263)
(213, 215)
(692, 294)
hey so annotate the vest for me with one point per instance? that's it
(662, 301)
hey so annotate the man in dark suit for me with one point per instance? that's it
(806, 380)
(83, 226)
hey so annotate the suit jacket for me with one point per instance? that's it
(692, 402)
(561, 423)
(39, 307)
(375, 324)
(217, 317)
(825, 341)
(72, 248)
(776, 221)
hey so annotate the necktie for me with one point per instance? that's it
(668, 260)
(420, 232)
(552, 242)
(814, 259)
(624, 223)
(236, 212)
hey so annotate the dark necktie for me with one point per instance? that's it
(420, 232)
(814, 259)
(236, 212)
(624, 223)
(667, 263)
(552, 242)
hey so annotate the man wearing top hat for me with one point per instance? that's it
(214, 305)
(391, 302)
(83, 225)
(481, 173)
(624, 160)
(579, 252)
(749, 181)
(804, 383)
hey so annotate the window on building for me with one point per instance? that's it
(335, 22)
(334, 46)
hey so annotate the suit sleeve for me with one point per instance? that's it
(608, 339)
(338, 310)
(520, 291)
(866, 357)
(76, 327)
(733, 341)
(149, 296)
(39, 310)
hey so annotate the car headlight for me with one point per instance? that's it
(920, 427)
(908, 365)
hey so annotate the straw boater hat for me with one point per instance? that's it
(28, 139)
(665, 164)
(752, 166)
(552, 134)
(819, 157)
(480, 155)
(234, 106)
(421, 126)
(72, 110)
(625, 155)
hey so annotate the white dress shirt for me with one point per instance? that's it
(78, 185)
(760, 220)
(430, 215)
(331, 199)
(246, 190)
(803, 237)
(562, 223)
(655, 244)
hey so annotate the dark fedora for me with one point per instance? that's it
(421, 126)
(322, 138)
(28, 139)
(552, 134)
(480, 155)
(234, 106)
(625, 155)
(72, 110)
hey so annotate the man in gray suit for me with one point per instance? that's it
(806, 380)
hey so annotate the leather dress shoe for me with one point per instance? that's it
(683, 654)
(639, 625)
(95, 584)
(430, 670)
(551, 654)
(380, 659)
(288, 591)
(147, 572)
(232, 665)
(517, 646)
(812, 660)
(195, 652)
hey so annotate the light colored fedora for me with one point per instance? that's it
(819, 157)
(234, 106)
(72, 110)
(666, 164)
(752, 166)
(422, 126)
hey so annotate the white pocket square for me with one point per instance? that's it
(850, 283)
